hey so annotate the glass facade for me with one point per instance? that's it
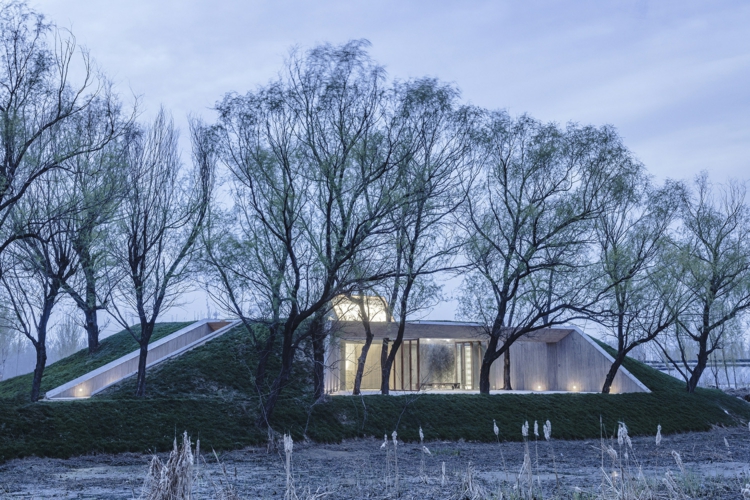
(426, 364)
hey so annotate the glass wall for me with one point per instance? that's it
(423, 364)
(438, 364)
(371, 374)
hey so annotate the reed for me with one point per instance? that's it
(172, 480)
(290, 493)
(496, 430)
(395, 460)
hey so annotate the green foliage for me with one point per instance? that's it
(81, 362)
(210, 392)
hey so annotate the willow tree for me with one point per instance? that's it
(254, 254)
(531, 201)
(35, 268)
(42, 110)
(710, 266)
(424, 241)
(96, 184)
(159, 221)
(313, 158)
(633, 241)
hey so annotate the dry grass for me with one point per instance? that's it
(172, 480)
(621, 476)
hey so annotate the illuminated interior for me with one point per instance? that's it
(425, 364)
(347, 309)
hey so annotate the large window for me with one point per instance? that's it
(371, 373)
(424, 364)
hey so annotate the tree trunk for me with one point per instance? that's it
(90, 306)
(612, 372)
(699, 368)
(385, 369)
(487, 360)
(287, 357)
(265, 353)
(92, 330)
(484, 377)
(41, 361)
(363, 355)
(319, 353)
(140, 389)
(147, 329)
(506, 371)
(41, 343)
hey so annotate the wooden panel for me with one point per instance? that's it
(528, 366)
(582, 367)
(552, 366)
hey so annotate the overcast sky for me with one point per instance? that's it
(672, 76)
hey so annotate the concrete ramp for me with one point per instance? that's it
(168, 347)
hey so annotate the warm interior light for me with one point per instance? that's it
(539, 387)
(347, 309)
(574, 388)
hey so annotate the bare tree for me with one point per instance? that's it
(40, 110)
(160, 219)
(631, 239)
(533, 198)
(353, 134)
(711, 267)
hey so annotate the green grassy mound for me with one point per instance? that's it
(209, 392)
(80, 363)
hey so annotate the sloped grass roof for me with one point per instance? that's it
(210, 392)
(80, 363)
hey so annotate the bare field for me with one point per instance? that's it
(716, 465)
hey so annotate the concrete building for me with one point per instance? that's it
(446, 355)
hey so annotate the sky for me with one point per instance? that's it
(672, 76)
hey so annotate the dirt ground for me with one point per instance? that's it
(716, 465)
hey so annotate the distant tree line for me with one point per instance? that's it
(338, 181)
